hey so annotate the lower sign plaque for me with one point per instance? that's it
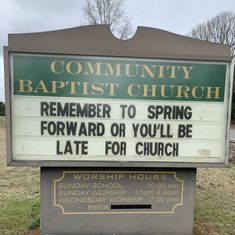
(118, 192)
(89, 201)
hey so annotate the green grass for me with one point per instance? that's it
(2, 121)
(215, 203)
(19, 217)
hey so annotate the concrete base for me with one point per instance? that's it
(117, 202)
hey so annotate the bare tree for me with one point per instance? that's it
(2, 109)
(109, 12)
(220, 29)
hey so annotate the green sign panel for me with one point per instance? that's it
(117, 78)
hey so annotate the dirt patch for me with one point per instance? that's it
(202, 228)
(35, 232)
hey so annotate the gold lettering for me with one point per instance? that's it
(187, 71)
(76, 65)
(130, 89)
(147, 69)
(161, 69)
(97, 89)
(215, 92)
(128, 73)
(151, 89)
(59, 66)
(112, 88)
(132, 176)
(25, 86)
(163, 91)
(57, 85)
(172, 71)
(111, 70)
(194, 91)
(41, 87)
(72, 87)
(183, 91)
(93, 69)
(85, 88)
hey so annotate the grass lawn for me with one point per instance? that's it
(19, 195)
(2, 121)
(215, 202)
(19, 216)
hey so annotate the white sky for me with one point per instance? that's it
(178, 16)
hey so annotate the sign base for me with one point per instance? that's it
(113, 201)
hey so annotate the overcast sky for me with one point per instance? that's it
(178, 16)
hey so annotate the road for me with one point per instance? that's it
(232, 134)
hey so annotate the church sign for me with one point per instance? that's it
(117, 127)
(116, 109)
